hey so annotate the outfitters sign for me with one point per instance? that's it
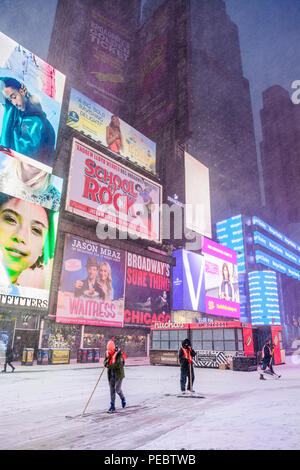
(92, 284)
(147, 297)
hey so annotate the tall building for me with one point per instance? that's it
(280, 149)
(207, 107)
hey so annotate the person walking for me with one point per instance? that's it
(9, 357)
(114, 361)
(267, 359)
(186, 354)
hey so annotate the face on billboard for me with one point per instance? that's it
(30, 95)
(27, 243)
(103, 190)
(92, 284)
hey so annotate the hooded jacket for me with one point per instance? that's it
(186, 354)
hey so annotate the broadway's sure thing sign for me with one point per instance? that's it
(103, 190)
(147, 291)
(92, 284)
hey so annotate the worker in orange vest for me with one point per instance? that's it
(186, 354)
(114, 361)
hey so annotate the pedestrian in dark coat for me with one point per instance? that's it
(267, 359)
(9, 357)
(186, 354)
(114, 361)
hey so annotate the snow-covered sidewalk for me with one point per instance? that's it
(239, 410)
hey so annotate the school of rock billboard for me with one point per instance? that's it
(91, 288)
(104, 190)
(29, 204)
(147, 296)
(94, 121)
(31, 93)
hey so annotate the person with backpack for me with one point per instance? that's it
(114, 362)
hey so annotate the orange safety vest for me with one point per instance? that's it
(187, 355)
(112, 357)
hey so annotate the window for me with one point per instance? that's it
(207, 345)
(229, 346)
(229, 333)
(197, 345)
(219, 345)
(196, 335)
(207, 335)
(218, 334)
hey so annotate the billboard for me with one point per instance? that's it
(276, 264)
(103, 190)
(230, 234)
(268, 228)
(264, 300)
(197, 196)
(188, 281)
(29, 205)
(94, 121)
(147, 296)
(277, 248)
(91, 288)
(221, 280)
(31, 93)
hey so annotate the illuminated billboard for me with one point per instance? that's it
(277, 248)
(197, 196)
(221, 280)
(94, 121)
(268, 228)
(31, 93)
(91, 288)
(276, 264)
(29, 204)
(264, 301)
(103, 190)
(230, 234)
(147, 296)
(206, 283)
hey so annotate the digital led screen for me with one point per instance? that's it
(268, 228)
(29, 205)
(230, 234)
(264, 301)
(31, 93)
(221, 279)
(274, 263)
(262, 240)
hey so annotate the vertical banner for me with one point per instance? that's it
(147, 296)
(91, 289)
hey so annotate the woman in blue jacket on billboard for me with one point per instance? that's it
(25, 127)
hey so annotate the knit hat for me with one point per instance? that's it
(111, 346)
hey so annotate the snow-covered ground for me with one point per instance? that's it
(239, 411)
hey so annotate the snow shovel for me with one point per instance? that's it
(93, 391)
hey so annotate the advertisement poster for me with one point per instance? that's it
(94, 121)
(147, 296)
(29, 210)
(103, 190)
(197, 196)
(188, 281)
(31, 93)
(91, 289)
(221, 280)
